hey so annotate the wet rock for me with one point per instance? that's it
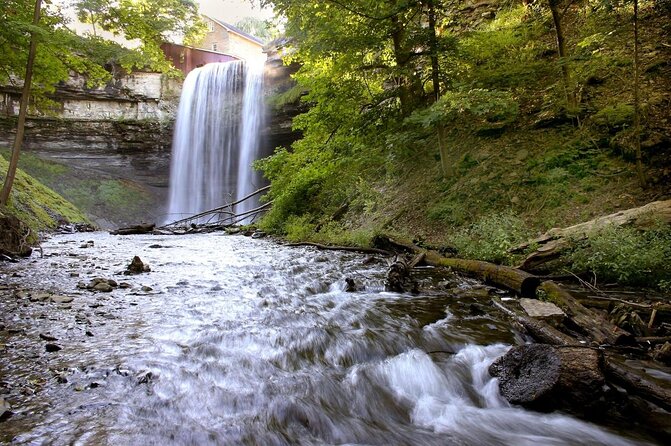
(88, 244)
(62, 299)
(51, 348)
(82, 285)
(147, 289)
(103, 287)
(156, 246)
(259, 234)
(545, 311)
(88, 333)
(321, 259)
(47, 337)
(137, 266)
(124, 285)
(145, 377)
(40, 297)
(101, 284)
(5, 409)
(73, 274)
(350, 285)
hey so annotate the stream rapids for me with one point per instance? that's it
(231, 340)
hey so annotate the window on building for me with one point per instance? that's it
(214, 46)
(210, 26)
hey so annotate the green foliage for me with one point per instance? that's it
(36, 205)
(625, 255)
(476, 106)
(490, 238)
(614, 117)
(60, 51)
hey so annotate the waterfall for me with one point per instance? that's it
(216, 139)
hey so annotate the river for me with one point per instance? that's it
(232, 340)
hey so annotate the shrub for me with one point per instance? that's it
(625, 255)
(490, 238)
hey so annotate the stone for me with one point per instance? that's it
(259, 234)
(5, 409)
(124, 285)
(48, 338)
(51, 348)
(62, 299)
(103, 287)
(137, 266)
(40, 297)
(545, 311)
(147, 289)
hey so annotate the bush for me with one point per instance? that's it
(490, 238)
(625, 255)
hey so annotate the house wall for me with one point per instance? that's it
(230, 43)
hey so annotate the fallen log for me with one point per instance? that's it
(539, 330)
(635, 382)
(592, 323)
(521, 282)
(546, 378)
(144, 228)
(555, 241)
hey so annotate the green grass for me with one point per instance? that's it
(37, 205)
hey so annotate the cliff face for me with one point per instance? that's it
(123, 132)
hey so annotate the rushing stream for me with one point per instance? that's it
(240, 341)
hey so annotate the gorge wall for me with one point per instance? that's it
(122, 133)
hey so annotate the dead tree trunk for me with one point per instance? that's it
(592, 323)
(547, 378)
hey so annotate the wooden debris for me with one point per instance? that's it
(555, 241)
(592, 323)
(144, 228)
(547, 378)
(521, 282)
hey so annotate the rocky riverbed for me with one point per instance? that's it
(229, 340)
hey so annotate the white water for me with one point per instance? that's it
(216, 139)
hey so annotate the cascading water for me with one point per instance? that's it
(216, 139)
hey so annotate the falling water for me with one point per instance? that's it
(216, 139)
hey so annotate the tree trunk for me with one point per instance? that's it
(23, 110)
(522, 283)
(445, 165)
(547, 378)
(592, 323)
(554, 242)
(561, 50)
(637, 104)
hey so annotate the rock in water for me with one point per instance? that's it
(547, 378)
(137, 266)
(53, 348)
(62, 299)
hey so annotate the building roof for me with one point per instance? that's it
(236, 30)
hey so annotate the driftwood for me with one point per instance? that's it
(398, 275)
(546, 378)
(521, 282)
(636, 382)
(555, 241)
(539, 330)
(145, 228)
(594, 324)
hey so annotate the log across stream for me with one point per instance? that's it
(233, 340)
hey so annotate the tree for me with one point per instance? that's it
(62, 52)
(18, 139)
(557, 17)
(263, 29)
